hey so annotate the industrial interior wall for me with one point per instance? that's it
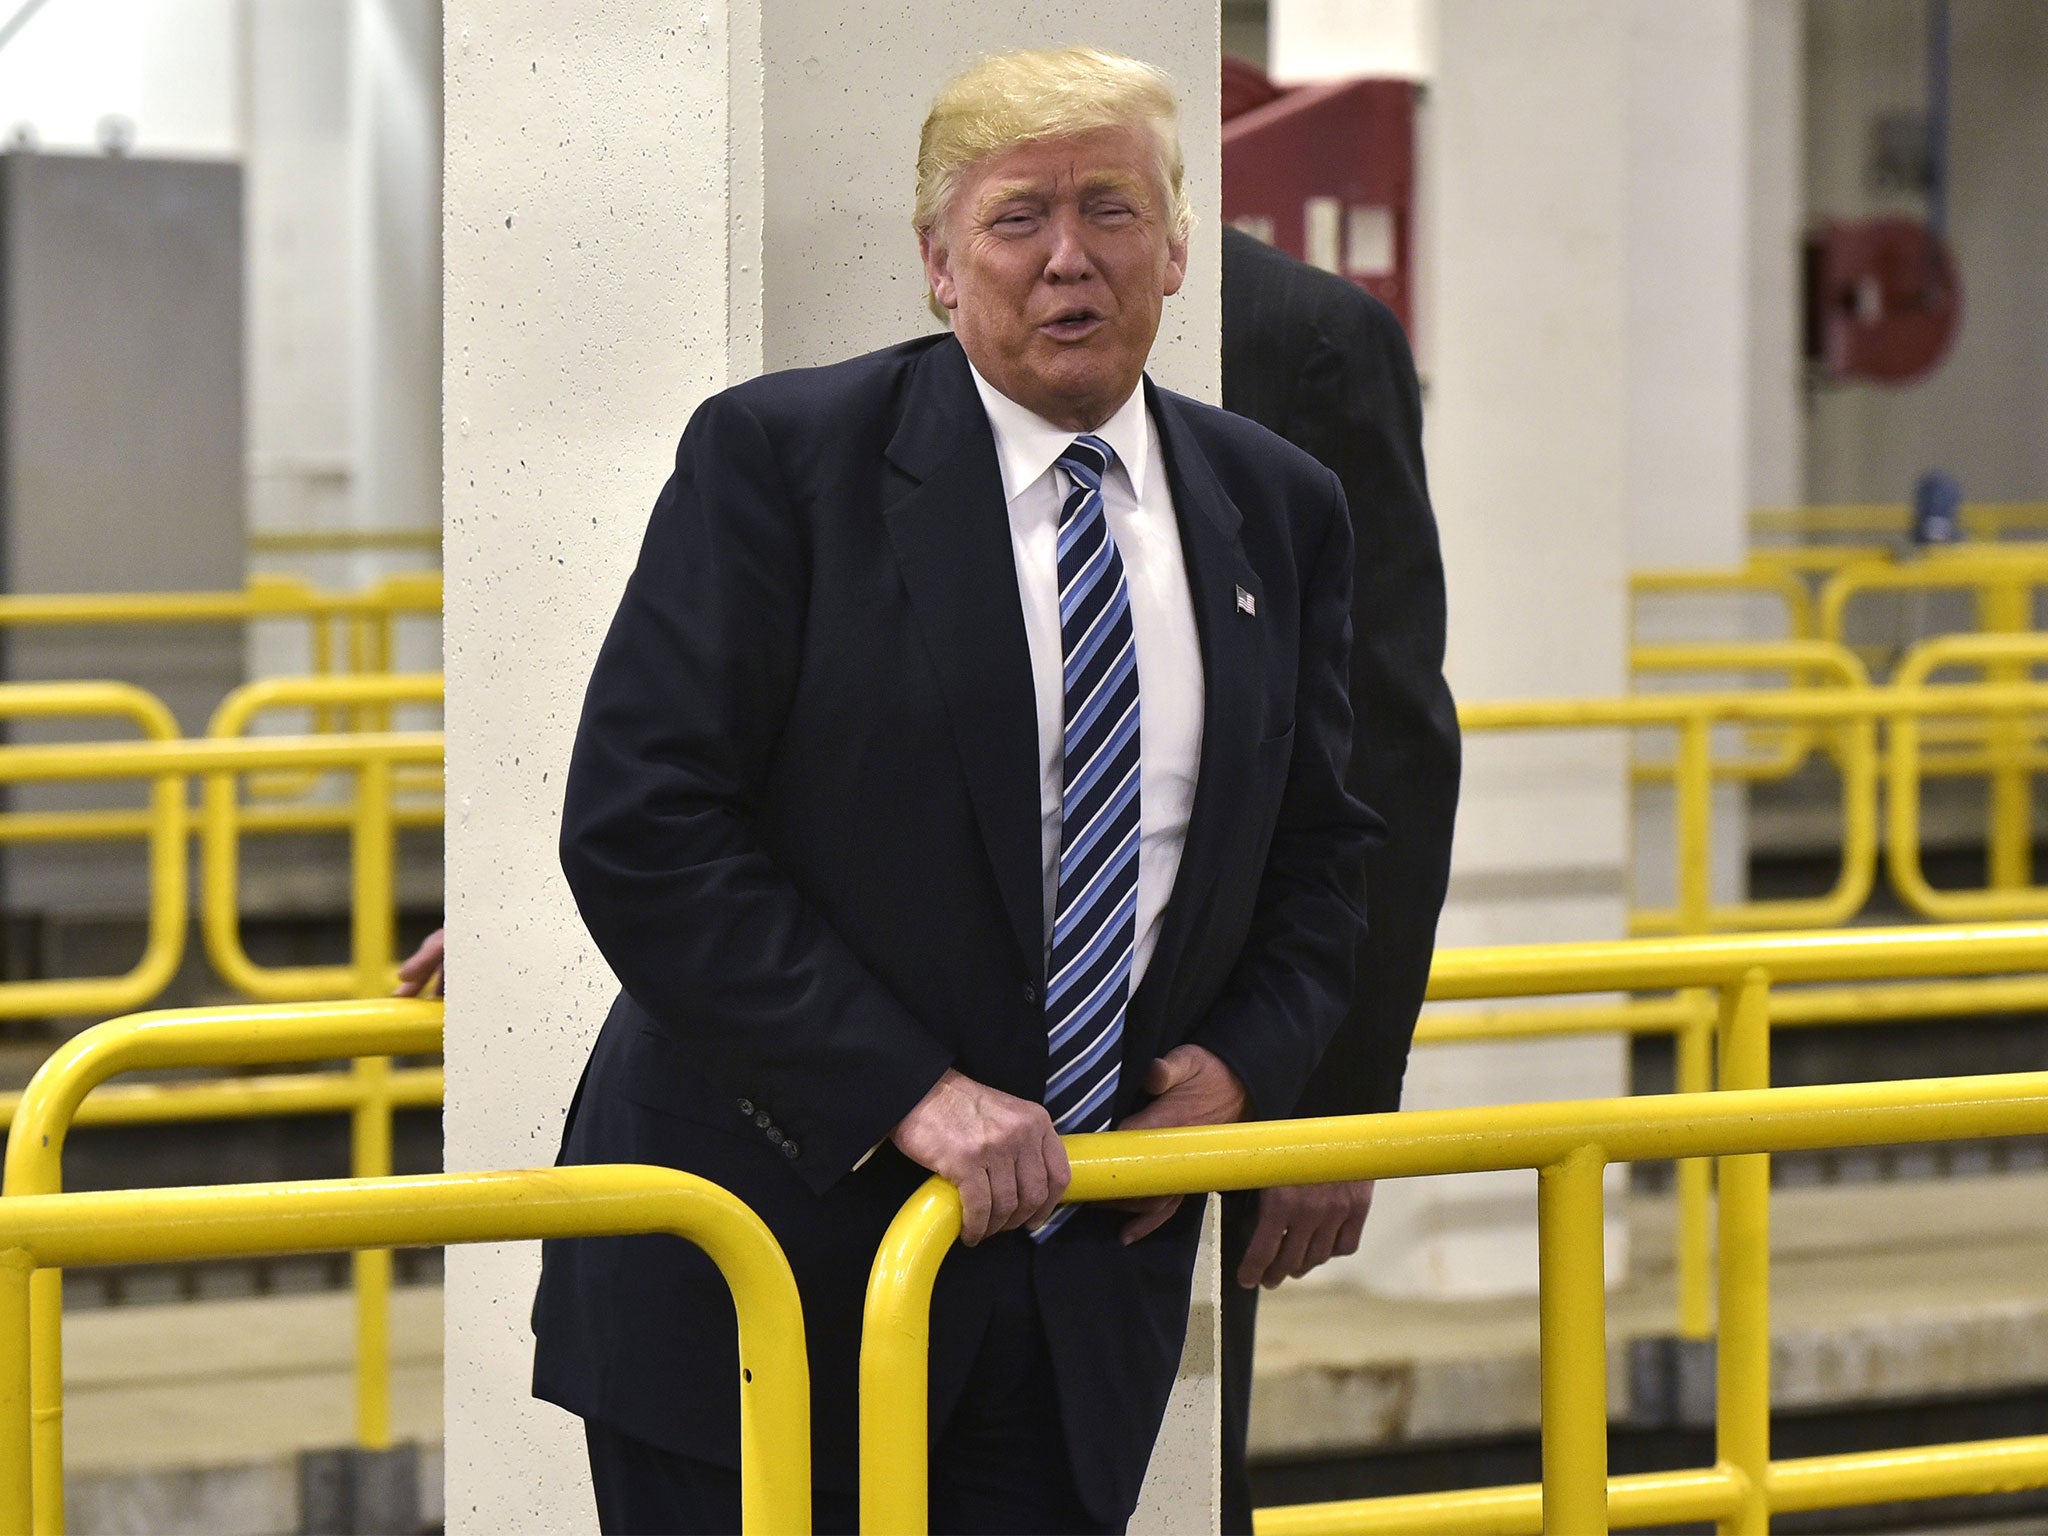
(1983, 413)
(607, 179)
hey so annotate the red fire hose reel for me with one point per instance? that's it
(1883, 299)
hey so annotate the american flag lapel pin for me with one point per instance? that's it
(1246, 603)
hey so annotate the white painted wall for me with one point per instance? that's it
(606, 178)
(170, 67)
(1311, 40)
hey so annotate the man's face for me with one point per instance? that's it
(1055, 258)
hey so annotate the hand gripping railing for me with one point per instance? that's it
(214, 1037)
(149, 1226)
(1570, 1146)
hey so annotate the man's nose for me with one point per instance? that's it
(1068, 260)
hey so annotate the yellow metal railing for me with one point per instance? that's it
(1994, 728)
(1569, 1145)
(371, 817)
(2005, 747)
(1986, 520)
(349, 631)
(148, 1226)
(1815, 585)
(344, 541)
(371, 1032)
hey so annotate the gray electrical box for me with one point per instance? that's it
(121, 460)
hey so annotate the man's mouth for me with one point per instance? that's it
(1072, 324)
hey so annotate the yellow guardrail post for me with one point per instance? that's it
(181, 1037)
(2007, 607)
(895, 1349)
(1695, 792)
(153, 1226)
(1694, 1176)
(1573, 1325)
(374, 852)
(1742, 1361)
(17, 1397)
(370, 1136)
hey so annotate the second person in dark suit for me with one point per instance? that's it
(1327, 366)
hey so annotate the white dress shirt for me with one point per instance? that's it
(1139, 506)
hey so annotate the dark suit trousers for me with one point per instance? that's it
(999, 1464)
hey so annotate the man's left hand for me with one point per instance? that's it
(1302, 1226)
(1190, 1086)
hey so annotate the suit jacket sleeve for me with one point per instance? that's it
(1358, 410)
(1287, 992)
(703, 929)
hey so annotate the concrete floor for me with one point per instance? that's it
(1879, 1292)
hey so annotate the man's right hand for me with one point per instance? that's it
(1001, 1152)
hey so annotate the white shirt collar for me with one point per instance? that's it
(1027, 445)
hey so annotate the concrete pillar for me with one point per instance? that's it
(1585, 332)
(1689, 371)
(606, 181)
(296, 230)
(1523, 340)
(1777, 221)
(343, 236)
(394, 70)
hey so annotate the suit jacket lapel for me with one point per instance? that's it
(947, 523)
(1210, 526)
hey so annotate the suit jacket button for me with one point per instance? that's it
(789, 1149)
(774, 1136)
(762, 1121)
(1030, 993)
(746, 1107)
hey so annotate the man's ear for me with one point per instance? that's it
(938, 272)
(1176, 266)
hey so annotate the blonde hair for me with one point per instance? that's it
(1009, 99)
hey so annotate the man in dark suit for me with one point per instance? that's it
(964, 768)
(1326, 365)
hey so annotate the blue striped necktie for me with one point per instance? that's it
(1095, 914)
